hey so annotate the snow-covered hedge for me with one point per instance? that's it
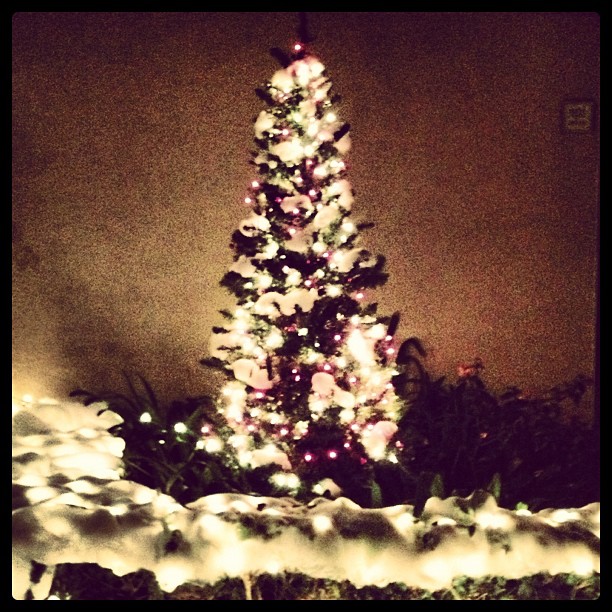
(70, 505)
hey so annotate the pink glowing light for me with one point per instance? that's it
(332, 454)
(308, 457)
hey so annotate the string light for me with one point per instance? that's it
(308, 457)
(332, 454)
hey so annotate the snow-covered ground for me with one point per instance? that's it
(70, 505)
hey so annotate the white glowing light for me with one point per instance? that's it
(213, 445)
(171, 575)
(145, 417)
(199, 444)
(322, 523)
(303, 331)
(318, 247)
(274, 339)
(180, 427)
(285, 481)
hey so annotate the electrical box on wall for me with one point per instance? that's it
(578, 116)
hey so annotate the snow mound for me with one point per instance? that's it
(67, 510)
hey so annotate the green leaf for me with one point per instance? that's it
(436, 488)
(376, 499)
(495, 486)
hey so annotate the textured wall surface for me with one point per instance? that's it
(132, 135)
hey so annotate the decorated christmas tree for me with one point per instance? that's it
(309, 398)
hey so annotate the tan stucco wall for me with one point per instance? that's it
(131, 142)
